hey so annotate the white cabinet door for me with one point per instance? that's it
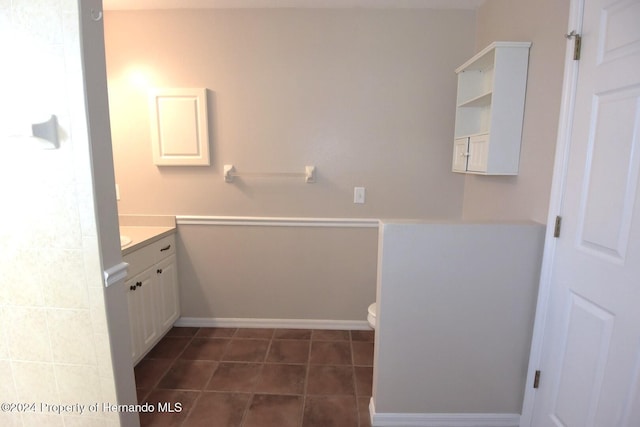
(478, 153)
(460, 154)
(146, 293)
(133, 303)
(167, 286)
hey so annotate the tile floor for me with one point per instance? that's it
(228, 377)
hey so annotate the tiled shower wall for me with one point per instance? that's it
(54, 343)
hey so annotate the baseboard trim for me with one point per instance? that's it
(441, 420)
(277, 221)
(272, 323)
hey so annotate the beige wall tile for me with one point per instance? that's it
(78, 384)
(7, 388)
(71, 336)
(28, 334)
(84, 421)
(67, 287)
(4, 349)
(35, 382)
(23, 279)
(9, 419)
(42, 420)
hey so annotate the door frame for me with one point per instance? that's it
(563, 144)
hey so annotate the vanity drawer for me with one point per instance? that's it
(145, 257)
(164, 247)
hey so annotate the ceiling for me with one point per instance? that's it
(310, 4)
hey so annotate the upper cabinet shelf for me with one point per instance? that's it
(490, 105)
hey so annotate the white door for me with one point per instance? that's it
(590, 359)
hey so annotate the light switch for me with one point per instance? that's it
(358, 194)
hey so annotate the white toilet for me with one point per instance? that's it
(371, 315)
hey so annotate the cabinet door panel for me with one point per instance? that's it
(133, 303)
(478, 153)
(147, 294)
(169, 308)
(460, 154)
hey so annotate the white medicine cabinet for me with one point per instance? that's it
(490, 110)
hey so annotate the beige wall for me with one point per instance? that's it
(456, 303)
(525, 196)
(54, 337)
(365, 95)
(273, 272)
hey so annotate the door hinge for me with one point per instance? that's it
(536, 380)
(556, 228)
(577, 44)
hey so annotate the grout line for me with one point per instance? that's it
(245, 413)
(306, 381)
(193, 407)
(353, 373)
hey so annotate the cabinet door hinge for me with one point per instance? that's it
(536, 380)
(577, 44)
(556, 228)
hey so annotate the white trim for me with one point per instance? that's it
(204, 322)
(115, 274)
(565, 124)
(441, 420)
(278, 221)
(306, 4)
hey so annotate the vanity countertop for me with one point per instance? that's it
(143, 230)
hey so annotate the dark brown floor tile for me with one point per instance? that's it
(205, 349)
(246, 350)
(170, 398)
(168, 348)
(289, 351)
(141, 394)
(330, 353)
(292, 334)
(178, 331)
(263, 333)
(274, 411)
(330, 411)
(235, 377)
(188, 375)
(282, 379)
(363, 412)
(364, 379)
(218, 410)
(323, 379)
(329, 335)
(368, 336)
(362, 353)
(149, 371)
(216, 332)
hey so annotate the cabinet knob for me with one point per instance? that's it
(138, 284)
(159, 271)
(132, 288)
(166, 248)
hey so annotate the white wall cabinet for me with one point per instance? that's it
(152, 294)
(490, 110)
(179, 127)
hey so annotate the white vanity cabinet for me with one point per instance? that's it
(152, 294)
(490, 110)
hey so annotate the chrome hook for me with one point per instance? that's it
(96, 15)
